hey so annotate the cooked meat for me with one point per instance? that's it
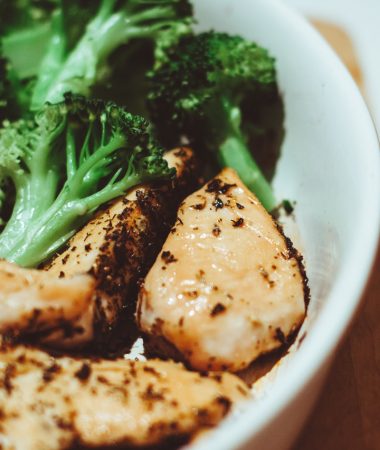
(33, 300)
(227, 285)
(117, 248)
(51, 403)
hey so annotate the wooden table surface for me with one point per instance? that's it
(347, 415)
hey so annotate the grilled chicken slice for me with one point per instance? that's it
(227, 285)
(117, 247)
(51, 403)
(33, 300)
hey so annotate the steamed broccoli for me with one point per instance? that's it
(115, 23)
(62, 165)
(204, 90)
(25, 30)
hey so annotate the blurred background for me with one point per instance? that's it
(347, 415)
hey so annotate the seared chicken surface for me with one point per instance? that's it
(117, 247)
(227, 285)
(51, 403)
(33, 300)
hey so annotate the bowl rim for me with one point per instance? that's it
(325, 333)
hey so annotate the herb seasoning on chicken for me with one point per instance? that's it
(51, 403)
(35, 301)
(230, 287)
(88, 288)
(118, 246)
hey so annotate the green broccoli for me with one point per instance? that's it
(14, 94)
(71, 158)
(25, 31)
(203, 91)
(7, 92)
(115, 23)
(21, 14)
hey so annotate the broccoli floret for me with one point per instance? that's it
(115, 23)
(71, 158)
(203, 91)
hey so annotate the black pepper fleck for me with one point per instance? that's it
(199, 206)
(64, 259)
(217, 186)
(218, 203)
(280, 336)
(49, 372)
(238, 223)
(84, 372)
(216, 231)
(219, 308)
(168, 257)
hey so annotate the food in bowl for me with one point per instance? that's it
(89, 196)
(227, 286)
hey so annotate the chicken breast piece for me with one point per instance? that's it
(33, 300)
(51, 403)
(117, 247)
(227, 285)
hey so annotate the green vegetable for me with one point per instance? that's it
(203, 92)
(14, 94)
(20, 14)
(288, 206)
(7, 91)
(58, 46)
(25, 30)
(115, 23)
(62, 165)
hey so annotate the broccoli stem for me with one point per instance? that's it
(35, 192)
(17, 223)
(34, 195)
(106, 32)
(69, 160)
(234, 153)
(35, 189)
(72, 208)
(45, 237)
(53, 59)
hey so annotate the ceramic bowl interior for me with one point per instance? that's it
(330, 166)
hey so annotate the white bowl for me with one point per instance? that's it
(330, 165)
